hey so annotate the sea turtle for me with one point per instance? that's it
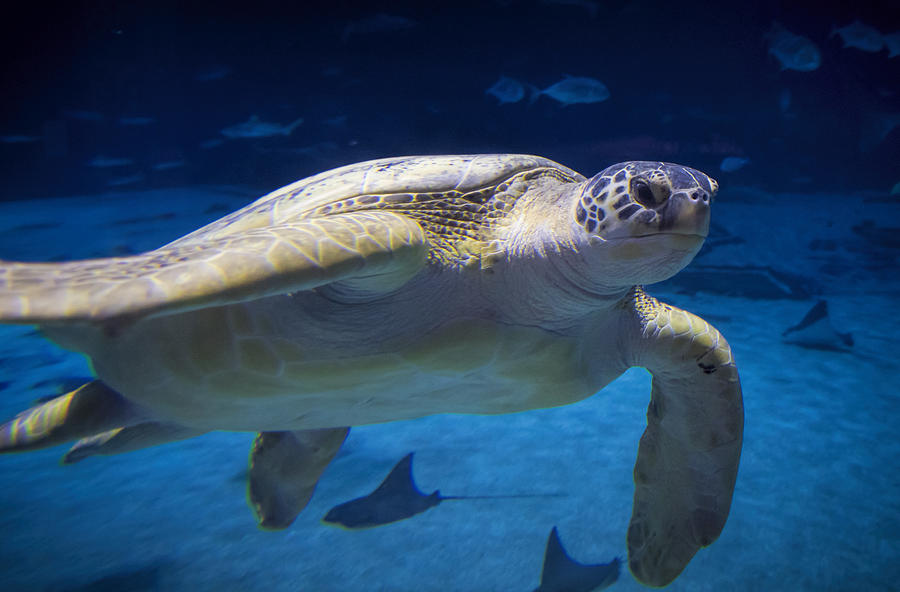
(399, 288)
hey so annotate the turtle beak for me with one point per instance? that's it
(686, 212)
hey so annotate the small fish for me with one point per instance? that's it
(377, 23)
(168, 165)
(875, 127)
(860, 36)
(212, 73)
(784, 101)
(129, 180)
(83, 115)
(254, 128)
(507, 90)
(815, 331)
(892, 42)
(794, 52)
(19, 139)
(397, 498)
(731, 164)
(136, 120)
(574, 89)
(103, 162)
(561, 573)
(336, 121)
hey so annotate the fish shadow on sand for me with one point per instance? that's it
(815, 331)
(398, 498)
(138, 579)
(561, 573)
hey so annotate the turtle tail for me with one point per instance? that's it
(88, 410)
(289, 129)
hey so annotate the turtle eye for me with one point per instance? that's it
(643, 194)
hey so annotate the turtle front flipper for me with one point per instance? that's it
(371, 250)
(129, 439)
(86, 411)
(688, 456)
(284, 470)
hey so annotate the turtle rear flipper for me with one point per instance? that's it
(284, 470)
(88, 410)
(129, 439)
(377, 250)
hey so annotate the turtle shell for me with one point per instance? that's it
(385, 176)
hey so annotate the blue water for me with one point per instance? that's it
(809, 216)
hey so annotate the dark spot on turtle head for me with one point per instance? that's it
(368, 199)
(591, 225)
(599, 185)
(619, 189)
(620, 176)
(580, 214)
(627, 212)
(601, 214)
(594, 208)
(586, 201)
(602, 197)
(622, 201)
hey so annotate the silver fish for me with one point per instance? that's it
(168, 165)
(19, 139)
(104, 162)
(794, 52)
(212, 73)
(731, 164)
(507, 90)
(83, 115)
(120, 181)
(255, 128)
(860, 36)
(136, 120)
(892, 42)
(574, 89)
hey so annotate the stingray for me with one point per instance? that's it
(561, 573)
(397, 498)
(816, 332)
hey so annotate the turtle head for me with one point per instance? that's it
(643, 221)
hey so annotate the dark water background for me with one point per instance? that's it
(689, 81)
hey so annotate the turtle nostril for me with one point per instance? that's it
(699, 195)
